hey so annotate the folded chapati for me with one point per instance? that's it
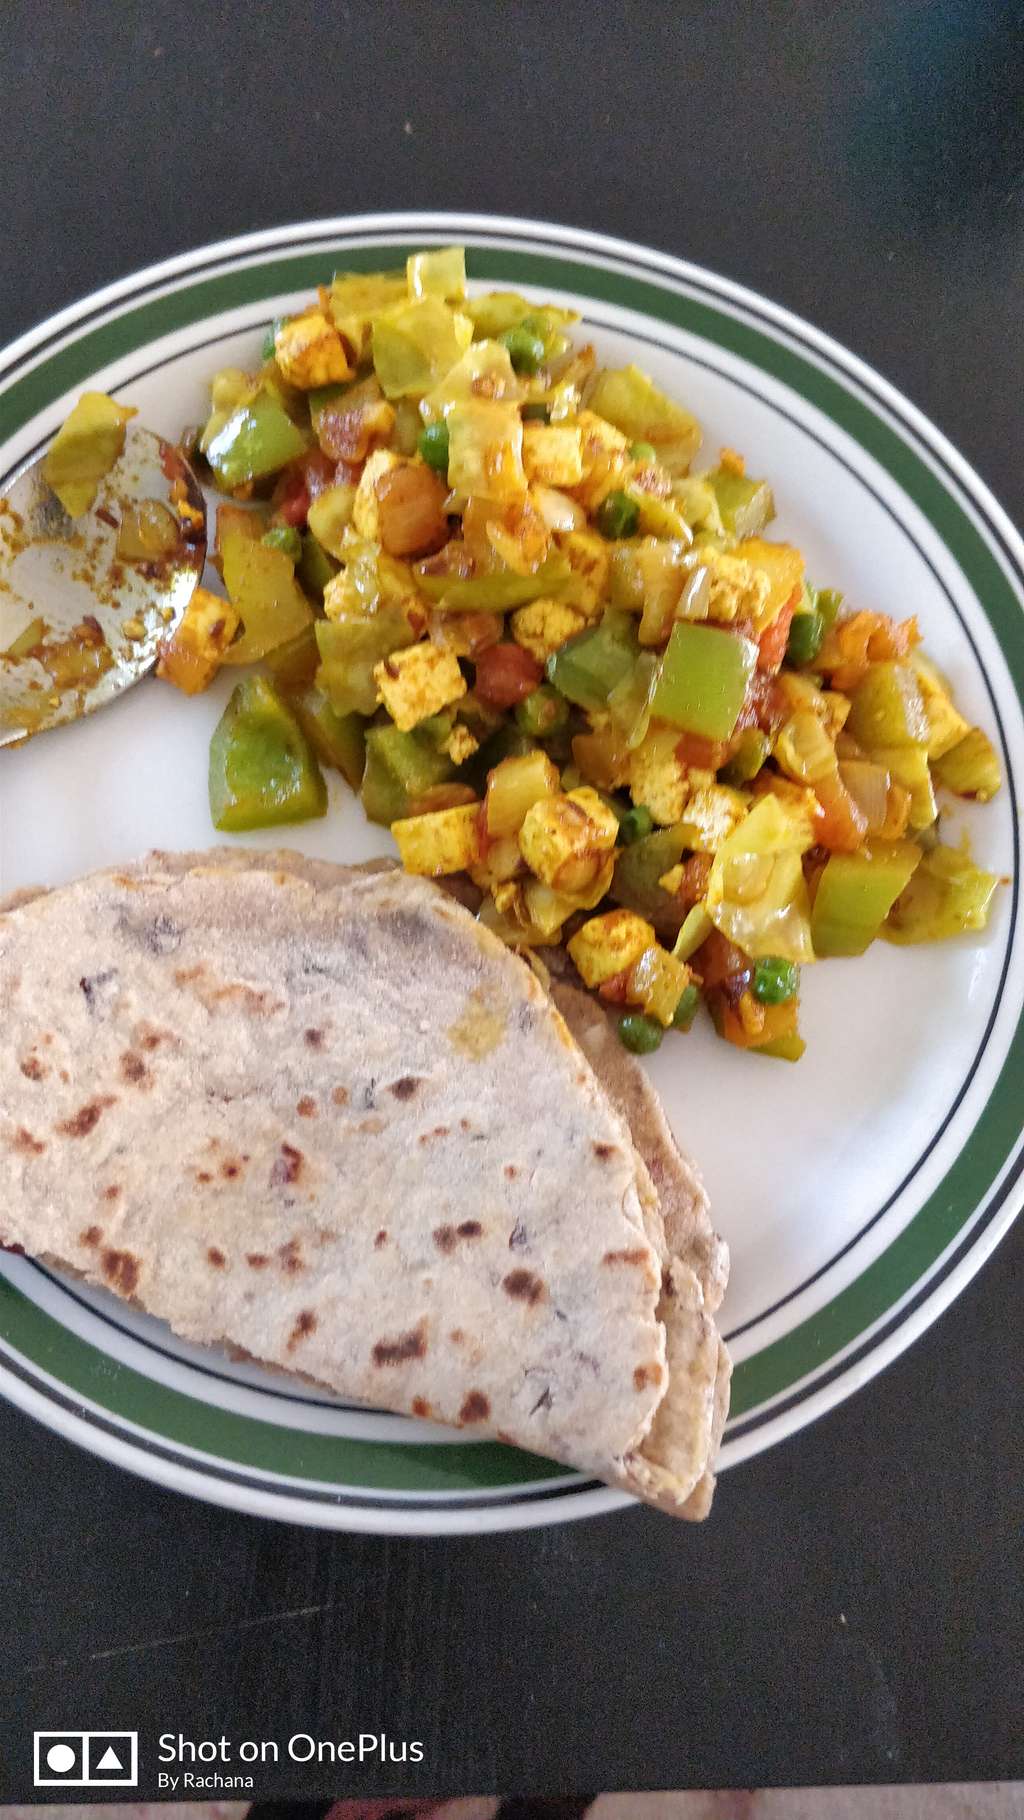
(321, 1115)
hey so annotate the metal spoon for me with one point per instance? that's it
(84, 622)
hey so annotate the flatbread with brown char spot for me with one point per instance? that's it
(319, 1115)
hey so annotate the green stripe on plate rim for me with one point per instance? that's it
(809, 1346)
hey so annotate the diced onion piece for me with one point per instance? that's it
(559, 512)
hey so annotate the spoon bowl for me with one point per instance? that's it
(79, 621)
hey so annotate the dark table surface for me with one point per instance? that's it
(853, 1611)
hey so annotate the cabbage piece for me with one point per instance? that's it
(357, 297)
(498, 311)
(439, 273)
(698, 502)
(948, 895)
(757, 894)
(84, 450)
(415, 343)
(368, 580)
(485, 449)
(632, 402)
(262, 588)
(484, 371)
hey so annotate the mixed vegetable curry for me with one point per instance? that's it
(482, 580)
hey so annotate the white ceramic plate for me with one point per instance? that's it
(860, 1189)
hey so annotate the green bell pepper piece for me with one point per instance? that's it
(856, 892)
(284, 538)
(827, 602)
(703, 680)
(400, 769)
(349, 650)
(886, 709)
(595, 662)
(262, 771)
(948, 895)
(908, 765)
(787, 1048)
(745, 506)
(257, 439)
(806, 634)
(315, 567)
(638, 868)
(493, 593)
(752, 748)
(339, 740)
(295, 663)
(970, 768)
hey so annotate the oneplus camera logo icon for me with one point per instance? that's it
(86, 1759)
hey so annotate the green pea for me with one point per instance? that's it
(283, 537)
(686, 1010)
(639, 1034)
(805, 636)
(525, 351)
(432, 444)
(643, 451)
(542, 712)
(635, 824)
(535, 412)
(775, 980)
(618, 515)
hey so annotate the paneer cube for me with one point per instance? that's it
(657, 981)
(553, 454)
(461, 744)
(657, 778)
(193, 654)
(485, 449)
(502, 862)
(545, 626)
(512, 789)
(565, 840)
(446, 841)
(737, 590)
(783, 567)
(610, 944)
(417, 682)
(366, 505)
(606, 463)
(711, 813)
(310, 352)
(589, 557)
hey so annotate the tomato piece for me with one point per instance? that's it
(771, 646)
(300, 483)
(615, 990)
(703, 754)
(693, 885)
(723, 967)
(841, 824)
(506, 674)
